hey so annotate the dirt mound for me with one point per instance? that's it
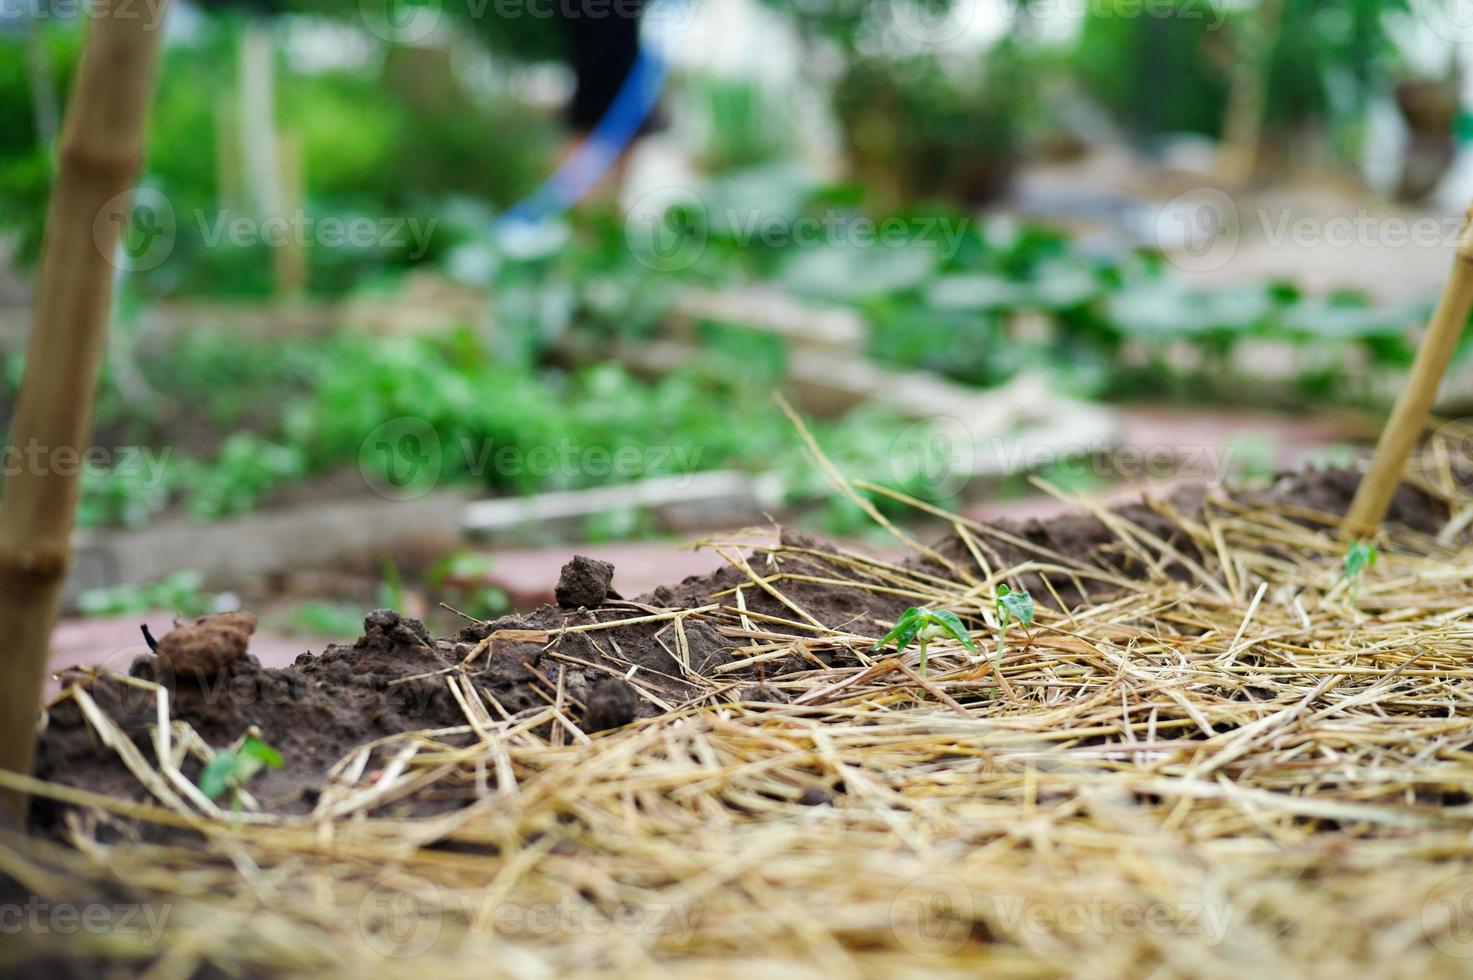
(596, 660)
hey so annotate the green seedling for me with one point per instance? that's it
(1361, 556)
(926, 624)
(232, 768)
(1011, 605)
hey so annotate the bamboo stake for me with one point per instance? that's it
(101, 147)
(1248, 95)
(290, 259)
(1373, 497)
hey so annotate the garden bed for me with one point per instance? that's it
(1212, 751)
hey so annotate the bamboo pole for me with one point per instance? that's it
(100, 152)
(1248, 95)
(290, 259)
(1373, 496)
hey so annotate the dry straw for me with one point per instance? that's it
(1256, 767)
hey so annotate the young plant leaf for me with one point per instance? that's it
(233, 768)
(1361, 556)
(1014, 605)
(261, 752)
(906, 628)
(948, 621)
(215, 778)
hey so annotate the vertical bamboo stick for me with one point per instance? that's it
(290, 260)
(101, 147)
(1248, 95)
(1373, 496)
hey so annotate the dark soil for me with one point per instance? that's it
(390, 680)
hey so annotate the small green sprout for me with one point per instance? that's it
(926, 624)
(1011, 605)
(1361, 556)
(232, 768)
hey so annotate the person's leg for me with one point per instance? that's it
(603, 47)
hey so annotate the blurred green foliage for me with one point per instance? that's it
(1154, 74)
(181, 592)
(1325, 62)
(915, 130)
(391, 137)
(978, 302)
(697, 419)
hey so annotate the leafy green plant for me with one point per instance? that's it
(1011, 605)
(232, 768)
(920, 625)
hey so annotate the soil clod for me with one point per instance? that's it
(585, 583)
(207, 647)
(611, 704)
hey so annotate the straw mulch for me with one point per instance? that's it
(1261, 766)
